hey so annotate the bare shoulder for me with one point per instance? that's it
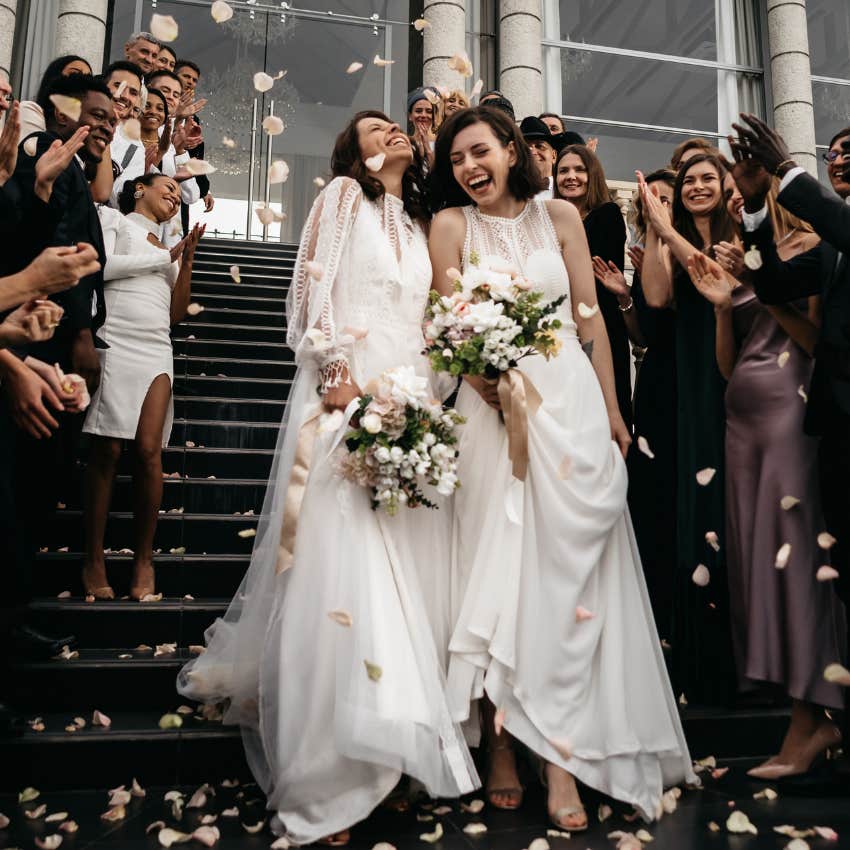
(563, 213)
(448, 224)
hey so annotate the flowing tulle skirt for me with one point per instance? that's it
(527, 556)
(326, 740)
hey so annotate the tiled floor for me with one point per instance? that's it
(685, 829)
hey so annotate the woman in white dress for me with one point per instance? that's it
(146, 292)
(326, 740)
(554, 632)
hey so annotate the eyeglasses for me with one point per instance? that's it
(830, 156)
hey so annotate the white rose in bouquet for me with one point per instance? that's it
(372, 423)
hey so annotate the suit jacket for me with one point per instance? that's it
(824, 271)
(74, 217)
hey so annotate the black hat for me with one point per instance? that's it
(534, 130)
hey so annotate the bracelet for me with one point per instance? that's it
(628, 306)
(789, 162)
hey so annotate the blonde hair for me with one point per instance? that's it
(440, 107)
(782, 220)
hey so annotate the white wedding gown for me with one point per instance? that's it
(528, 554)
(325, 741)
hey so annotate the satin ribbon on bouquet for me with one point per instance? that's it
(297, 485)
(519, 399)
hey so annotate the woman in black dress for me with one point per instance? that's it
(579, 179)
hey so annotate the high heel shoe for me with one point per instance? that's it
(515, 792)
(139, 590)
(101, 593)
(819, 749)
(559, 816)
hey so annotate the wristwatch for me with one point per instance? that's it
(628, 306)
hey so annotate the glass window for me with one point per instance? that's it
(829, 37)
(832, 110)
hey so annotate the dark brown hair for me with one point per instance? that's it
(347, 161)
(839, 135)
(127, 195)
(635, 216)
(696, 143)
(723, 226)
(523, 181)
(598, 192)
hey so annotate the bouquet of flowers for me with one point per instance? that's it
(491, 321)
(403, 439)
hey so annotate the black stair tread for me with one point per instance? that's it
(217, 326)
(203, 358)
(176, 605)
(242, 380)
(227, 423)
(217, 449)
(167, 517)
(108, 657)
(238, 312)
(159, 558)
(229, 298)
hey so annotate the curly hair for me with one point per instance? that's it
(347, 161)
(523, 180)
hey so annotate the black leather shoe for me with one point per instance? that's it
(25, 643)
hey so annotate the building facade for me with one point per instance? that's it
(639, 75)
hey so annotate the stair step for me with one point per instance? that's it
(213, 385)
(231, 349)
(230, 435)
(223, 463)
(263, 288)
(228, 316)
(241, 332)
(233, 367)
(229, 409)
(242, 302)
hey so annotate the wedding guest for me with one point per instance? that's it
(579, 179)
(166, 58)
(125, 81)
(142, 49)
(759, 153)
(691, 147)
(554, 122)
(420, 117)
(544, 149)
(32, 111)
(499, 101)
(147, 292)
(700, 637)
(454, 102)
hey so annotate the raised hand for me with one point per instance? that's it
(610, 276)
(730, 255)
(55, 160)
(592, 145)
(710, 280)
(655, 214)
(194, 136)
(9, 143)
(153, 157)
(758, 141)
(191, 242)
(177, 250)
(751, 176)
(636, 254)
(209, 202)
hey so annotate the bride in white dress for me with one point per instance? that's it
(326, 741)
(554, 633)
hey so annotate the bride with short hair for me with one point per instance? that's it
(334, 709)
(554, 632)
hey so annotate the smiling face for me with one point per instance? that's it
(543, 155)
(572, 178)
(734, 199)
(189, 78)
(376, 136)
(153, 115)
(701, 189)
(130, 97)
(453, 104)
(97, 113)
(171, 89)
(837, 168)
(422, 115)
(142, 53)
(481, 164)
(166, 59)
(159, 201)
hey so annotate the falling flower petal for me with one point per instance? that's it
(475, 828)
(719, 772)
(254, 827)
(169, 836)
(583, 614)
(713, 827)
(793, 832)
(341, 617)
(221, 11)
(262, 81)
(587, 312)
(318, 181)
(431, 97)
(826, 832)
(556, 833)
(114, 814)
(476, 89)
(132, 129)
(801, 391)
(711, 539)
(151, 597)
(119, 797)
(136, 790)
(765, 794)
(826, 540)
(420, 24)
(373, 671)
(31, 146)
(228, 142)
(68, 654)
(738, 822)
(273, 125)
(65, 594)
(194, 309)
(278, 171)
(782, 556)
(837, 674)
(604, 812)
(539, 844)
(56, 817)
(100, 719)
(382, 63)
(752, 259)
(788, 502)
(165, 649)
(170, 721)
(164, 27)
(376, 162)
(206, 835)
(473, 806)
(70, 826)
(69, 106)
(643, 445)
(826, 573)
(460, 63)
(199, 166)
(265, 215)
(782, 359)
(499, 721)
(185, 709)
(199, 799)
(247, 532)
(38, 812)
(354, 67)
(701, 576)
(49, 842)
(157, 824)
(704, 476)
(433, 837)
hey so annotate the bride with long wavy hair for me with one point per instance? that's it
(326, 736)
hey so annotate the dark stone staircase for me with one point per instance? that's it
(232, 377)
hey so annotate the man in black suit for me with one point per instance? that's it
(190, 73)
(825, 270)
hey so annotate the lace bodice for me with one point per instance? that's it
(529, 242)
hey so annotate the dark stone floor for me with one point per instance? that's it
(685, 829)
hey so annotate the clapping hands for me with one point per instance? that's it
(711, 280)
(34, 321)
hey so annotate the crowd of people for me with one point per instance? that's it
(687, 487)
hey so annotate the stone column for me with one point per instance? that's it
(445, 37)
(81, 29)
(8, 10)
(521, 55)
(793, 114)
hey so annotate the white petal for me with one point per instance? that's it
(826, 540)
(801, 391)
(713, 826)
(382, 63)
(318, 181)
(170, 721)
(199, 166)
(254, 827)
(704, 476)
(643, 445)
(752, 259)
(353, 67)
(604, 812)
(70, 826)
(765, 794)
(420, 24)
(151, 597)
(556, 833)
(247, 532)
(440, 810)
(837, 674)
(185, 709)
(473, 806)
(198, 800)
(132, 129)
(587, 312)
(738, 822)
(100, 719)
(228, 142)
(711, 539)
(221, 11)
(433, 837)
(644, 836)
(31, 146)
(782, 359)
(826, 832)
(278, 171)
(283, 844)
(701, 576)
(341, 617)
(164, 27)
(265, 215)
(782, 556)
(37, 812)
(70, 106)
(193, 309)
(157, 824)
(826, 573)
(475, 828)
(114, 814)
(169, 836)
(136, 790)
(234, 273)
(788, 502)
(476, 89)
(119, 798)
(797, 844)
(262, 81)
(583, 614)
(49, 842)
(709, 762)
(206, 835)
(230, 813)
(56, 817)
(273, 125)
(460, 63)
(376, 162)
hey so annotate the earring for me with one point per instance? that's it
(138, 194)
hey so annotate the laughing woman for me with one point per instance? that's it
(555, 631)
(327, 740)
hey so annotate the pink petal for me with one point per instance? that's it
(643, 445)
(711, 539)
(704, 476)
(826, 832)
(420, 24)
(782, 556)
(353, 67)
(273, 125)
(262, 81)
(826, 540)
(499, 721)
(701, 576)
(826, 573)
(221, 11)
(100, 719)
(382, 63)
(583, 614)
(376, 162)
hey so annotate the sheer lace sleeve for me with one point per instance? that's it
(311, 330)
